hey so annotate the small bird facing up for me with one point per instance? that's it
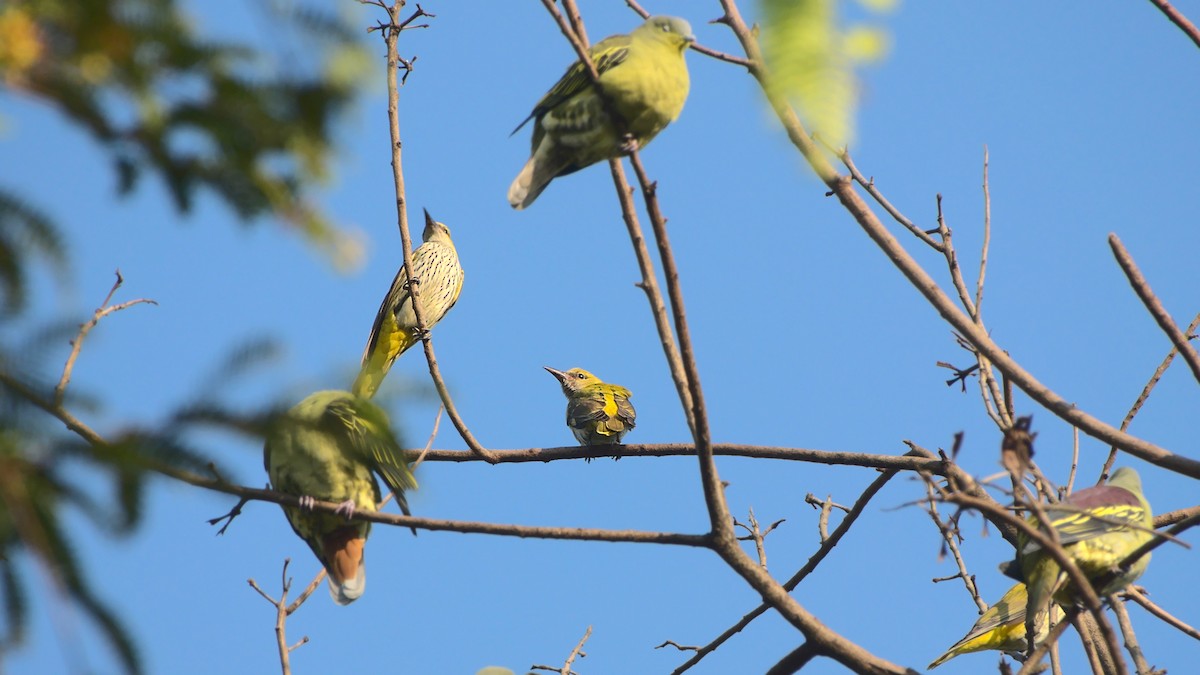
(644, 77)
(440, 277)
(328, 448)
(1001, 627)
(1098, 527)
(598, 413)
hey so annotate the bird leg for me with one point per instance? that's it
(629, 144)
(346, 508)
(307, 503)
(419, 334)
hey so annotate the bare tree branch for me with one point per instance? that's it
(391, 34)
(1142, 288)
(843, 188)
(1189, 29)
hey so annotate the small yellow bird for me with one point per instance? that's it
(328, 448)
(436, 266)
(598, 413)
(1001, 627)
(645, 79)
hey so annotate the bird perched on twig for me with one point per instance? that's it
(1098, 527)
(328, 448)
(1001, 627)
(440, 280)
(598, 413)
(644, 78)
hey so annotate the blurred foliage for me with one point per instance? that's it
(25, 235)
(812, 60)
(46, 473)
(251, 124)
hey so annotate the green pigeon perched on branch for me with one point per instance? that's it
(1098, 527)
(440, 276)
(644, 77)
(598, 413)
(1001, 627)
(328, 448)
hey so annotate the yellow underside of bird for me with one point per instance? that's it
(1000, 628)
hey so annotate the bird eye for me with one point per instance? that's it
(579, 375)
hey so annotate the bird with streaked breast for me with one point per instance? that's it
(440, 279)
(329, 447)
(598, 413)
(644, 78)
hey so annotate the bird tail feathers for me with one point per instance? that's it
(534, 178)
(345, 564)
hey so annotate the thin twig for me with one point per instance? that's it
(826, 547)
(575, 653)
(843, 188)
(60, 391)
(877, 195)
(714, 495)
(649, 285)
(757, 535)
(437, 423)
(950, 537)
(1142, 288)
(1189, 29)
(649, 282)
(987, 239)
(391, 33)
(1149, 605)
(281, 614)
(1145, 395)
(1130, 638)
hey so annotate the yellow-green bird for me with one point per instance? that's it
(645, 79)
(1001, 627)
(328, 448)
(436, 267)
(1098, 527)
(598, 413)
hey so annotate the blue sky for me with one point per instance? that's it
(805, 335)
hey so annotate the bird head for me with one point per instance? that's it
(574, 379)
(672, 29)
(1126, 478)
(435, 230)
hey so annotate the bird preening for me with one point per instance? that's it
(598, 413)
(329, 447)
(644, 80)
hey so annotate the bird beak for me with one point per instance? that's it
(558, 374)
(428, 218)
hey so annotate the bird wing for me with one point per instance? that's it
(606, 55)
(396, 295)
(625, 409)
(368, 434)
(1093, 512)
